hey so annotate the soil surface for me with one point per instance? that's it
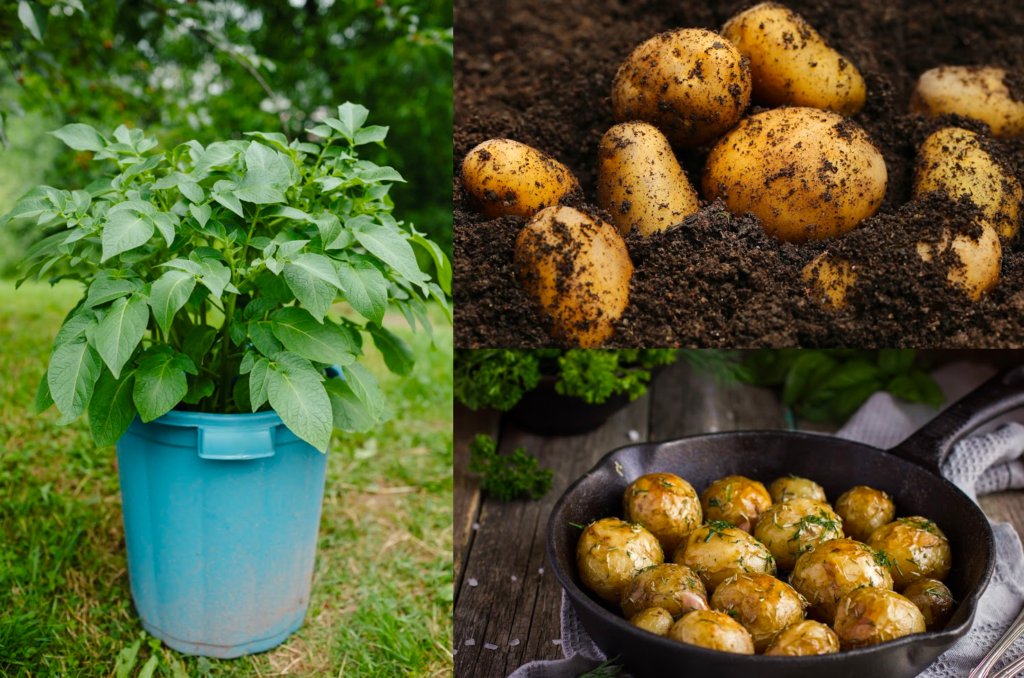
(540, 72)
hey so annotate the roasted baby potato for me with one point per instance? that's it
(970, 264)
(791, 64)
(917, 548)
(717, 551)
(804, 639)
(653, 619)
(578, 270)
(690, 83)
(869, 616)
(761, 603)
(713, 630)
(666, 505)
(953, 162)
(610, 551)
(791, 487)
(933, 599)
(864, 510)
(793, 527)
(639, 180)
(805, 173)
(828, 572)
(735, 500)
(507, 177)
(669, 586)
(830, 278)
(978, 92)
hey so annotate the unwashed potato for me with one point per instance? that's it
(669, 586)
(791, 487)
(972, 265)
(830, 278)
(804, 639)
(713, 630)
(735, 500)
(833, 569)
(805, 173)
(506, 177)
(610, 551)
(578, 270)
(690, 83)
(952, 162)
(864, 510)
(653, 619)
(717, 551)
(761, 603)
(869, 616)
(933, 599)
(639, 180)
(793, 527)
(791, 64)
(917, 547)
(666, 505)
(978, 92)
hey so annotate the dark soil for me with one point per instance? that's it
(540, 72)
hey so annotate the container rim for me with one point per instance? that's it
(210, 420)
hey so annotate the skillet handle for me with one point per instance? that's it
(931, 444)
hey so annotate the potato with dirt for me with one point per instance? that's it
(934, 600)
(669, 586)
(653, 619)
(804, 639)
(666, 505)
(505, 177)
(831, 570)
(713, 630)
(761, 603)
(790, 63)
(639, 181)
(791, 528)
(805, 173)
(577, 269)
(690, 83)
(971, 261)
(610, 552)
(979, 92)
(917, 548)
(736, 500)
(830, 278)
(717, 551)
(869, 616)
(864, 510)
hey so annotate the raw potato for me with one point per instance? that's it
(639, 180)
(952, 162)
(868, 616)
(805, 173)
(864, 510)
(761, 603)
(577, 268)
(669, 586)
(653, 619)
(690, 83)
(793, 527)
(804, 639)
(791, 487)
(713, 630)
(791, 64)
(735, 500)
(718, 551)
(977, 92)
(917, 547)
(609, 553)
(506, 177)
(666, 505)
(833, 569)
(933, 599)
(830, 278)
(975, 264)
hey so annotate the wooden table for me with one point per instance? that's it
(500, 546)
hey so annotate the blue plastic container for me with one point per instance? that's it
(221, 514)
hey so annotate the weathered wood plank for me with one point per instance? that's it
(467, 490)
(1006, 506)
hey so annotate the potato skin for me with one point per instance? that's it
(869, 616)
(805, 173)
(833, 569)
(761, 603)
(670, 586)
(666, 505)
(653, 619)
(713, 630)
(917, 547)
(976, 264)
(690, 83)
(804, 639)
(717, 551)
(791, 64)
(864, 510)
(793, 527)
(791, 487)
(951, 161)
(609, 553)
(933, 599)
(505, 177)
(735, 500)
(830, 278)
(640, 182)
(977, 92)
(577, 268)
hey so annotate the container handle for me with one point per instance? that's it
(226, 445)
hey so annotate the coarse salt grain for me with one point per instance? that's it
(473, 582)
(634, 435)
(470, 641)
(476, 526)
(490, 646)
(514, 642)
(540, 570)
(557, 641)
(515, 578)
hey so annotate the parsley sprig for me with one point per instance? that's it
(508, 477)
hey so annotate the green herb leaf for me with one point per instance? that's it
(43, 399)
(365, 288)
(297, 394)
(112, 409)
(313, 281)
(397, 354)
(125, 231)
(169, 294)
(121, 330)
(159, 384)
(259, 383)
(78, 136)
(301, 333)
(392, 249)
(348, 411)
(74, 368)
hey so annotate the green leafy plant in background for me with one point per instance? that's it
(829, 385)
(508, 477)
(209, 271)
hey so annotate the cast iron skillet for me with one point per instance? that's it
(909, 472)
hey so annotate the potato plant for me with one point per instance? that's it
(208, 273)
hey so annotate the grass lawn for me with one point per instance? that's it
(382, 589)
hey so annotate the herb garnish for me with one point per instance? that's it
(508, 477)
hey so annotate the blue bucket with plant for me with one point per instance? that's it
(204, 347)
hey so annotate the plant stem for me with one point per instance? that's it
(225, 360)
